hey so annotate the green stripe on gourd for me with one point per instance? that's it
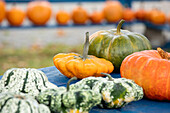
(20, 103)
(114, 45)
(30, 81)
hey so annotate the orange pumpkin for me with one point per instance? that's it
(151, 70)
(2, 10)
(113, 11)
(157, 17)
(128, 14)
(73, 64)
(62, 17)
(140, 14)
(79, 15)
(168, 18)
(148, 14)
(96, 17)
(39, 12)
(15, 16)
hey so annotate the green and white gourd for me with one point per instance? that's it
(30, 81)
(70, 101)
(18, 103)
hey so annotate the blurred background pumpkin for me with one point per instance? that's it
(128, 14)
(96, 17)
(62, 17)
(2, 10)
(140, 14)
(39, 12)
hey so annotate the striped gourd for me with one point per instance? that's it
(30, 81)
(19, 103)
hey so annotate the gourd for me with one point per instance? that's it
(62, 17)
(128, 14)
(69, 101)
(96, 17)
(39, 12)
(2, 10)
(73, 64)
(30, 81)
(150, 70)
(19, 103)
(15, 16)
(116, 93)
(115, 44)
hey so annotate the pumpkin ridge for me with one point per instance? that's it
(43, 80)
(5, 103)
(25, 81)
(18, 110)
(36, 82)
(29, 106)
(8, 78)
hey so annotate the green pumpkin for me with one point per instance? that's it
(30, 81)
(64, 101)
(20, 103)
(115, 44)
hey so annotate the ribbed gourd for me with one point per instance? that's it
(115, 44)
(69, 101)
(30, 81)
(20, 103)
(116, 93)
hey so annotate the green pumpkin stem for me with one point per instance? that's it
(86, 47)
(109, 76)
(119, 26)
(68, 83)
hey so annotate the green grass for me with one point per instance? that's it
(34, 57)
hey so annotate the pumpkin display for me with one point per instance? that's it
(115, 44)
(69, 101)
(140, 14)
(2, 10)
(113, 11)
(62, 17)
(39, 12)
(157, 17)
(79, 15)
(128, 14)
(30, 81)
(15, 16)
(73, 64)
(19, 103)
(150, 70)
(96, 17)
(116, 93)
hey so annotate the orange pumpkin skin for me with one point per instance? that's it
(168, 18)
(2, 10)
(79, 15)
(15, 16)
(150, 71)
(128, 15)
(157, 17)
(140, 14)
(96, 17)
(71, 65)
(39, 12)
(62, 17)
(113, 11)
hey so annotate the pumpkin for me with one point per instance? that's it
(140, 14)
(157, 17)
(62, 17)
(168, 19)
(73, 64)
(96, 17)
(115, 44)
(30, 81)
(19, 103)
(2, 10)
(79, 15)
(150, 70)
(15, 16)
(113, 11)
(69, 101)
(148, 14)
(115, 93)
(39, 12)
(128, 14)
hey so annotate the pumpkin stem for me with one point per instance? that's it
(109, 76)
(68, 83)
(86, 47)
(119, 26)
(163, 54)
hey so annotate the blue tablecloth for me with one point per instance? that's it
(142, 106)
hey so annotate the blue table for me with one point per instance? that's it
(142, 106)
